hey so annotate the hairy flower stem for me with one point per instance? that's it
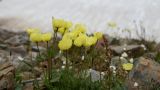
(66, 54)
(49, 61)
(90, 77)
(38, 49)
(100, 72)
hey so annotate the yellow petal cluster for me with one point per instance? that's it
(98, 35)
(77, 35)
(58, 23)
(46, 37)
(61, 25)
(61, 30)
(81, 40)
(127, 66)
(112, 24)
(32, 30)
(80, 27)
(36, 37)
(68, 24)
(90, 41)
(65, 44)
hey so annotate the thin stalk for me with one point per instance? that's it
(100, 76)
(49, 62)
(90, 77)
(66, 54)
(100, 72)
(55, 37)
(92, 62)
(38, 49)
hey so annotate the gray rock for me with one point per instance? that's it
(35, 49)
(7, 76)
(24, 39)
(144, 72)
(13, 41)
(19, 50)
(115, 61)
(3, 56)
(95, 75)
(3, 46)
(17, 40)
(5, 34)
(151, 55)
(130, 49)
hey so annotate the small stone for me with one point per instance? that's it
(124, 49)
(64, 62)
(125, 55)
(35, 48)
(131, 60)
(63, 67)
(95, 75)
(112, 67)
(135, 84)
(102, 73)
(82, 57)
(20, 58)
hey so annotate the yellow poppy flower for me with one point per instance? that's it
(36, 37)
(71, 35)
(58, 22)
(112, 24)
(32, 30)
(93, 40)
(46, 37)
(68, 24)
(90, 41)
(76, 32)
(65, 44)
(80, 27)
(66, 35)
(98, 35)
(127, 66)
(61, 30)
(79, 41)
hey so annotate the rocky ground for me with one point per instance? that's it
(13, 49)
(95, 14)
